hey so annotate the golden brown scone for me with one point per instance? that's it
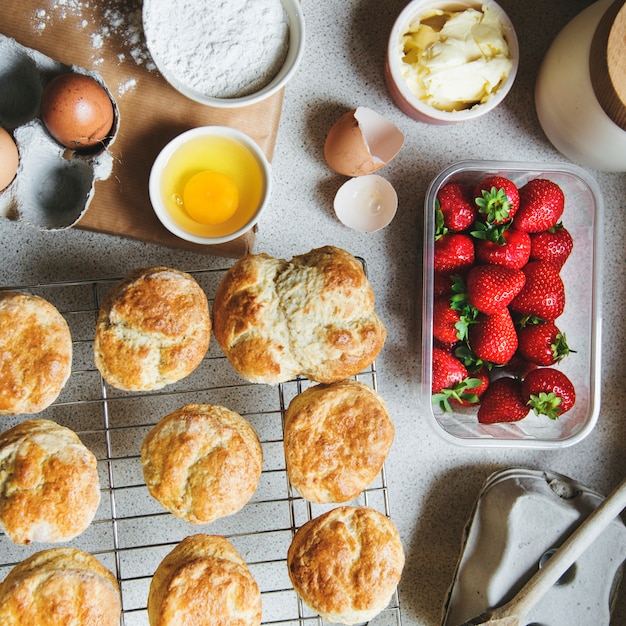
(49, 484)
(153, 329)
(204, 580)
(202, 462)
(346, 563)
(336, 440)
(35, 353)
(60, 587)
(312, 316)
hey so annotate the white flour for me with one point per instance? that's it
(224, 48)
(120, 18)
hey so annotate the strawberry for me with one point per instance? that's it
(542, 344)
(497, 199)
(511, 247)
(450, 380)
(518, 366)
(553, 245)
(490, 288)
(454, 252)
(549, 392)
(502, 402)
(543, 294)
(541, 204)
(447, 325)
(455, 201)
(442, 284)
(492, 338)
(470, 399)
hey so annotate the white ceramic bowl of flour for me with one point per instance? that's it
(233, 54)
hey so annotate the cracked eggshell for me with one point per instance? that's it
(361, 142)
(366, 203)
(53, 186)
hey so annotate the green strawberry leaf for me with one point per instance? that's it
(490, 232)
(458, 392)
(560, 349)
(546, 403)
(440, 227)
(494, 205)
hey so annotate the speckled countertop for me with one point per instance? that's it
(432, 484)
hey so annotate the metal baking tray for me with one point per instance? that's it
(131, 532)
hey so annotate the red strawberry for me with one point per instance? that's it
(492, 338)
(540, 207)
(549, 392)
(518, 366)
(511, 248)
(473, 397)
(542, 344)
(553, 245)
(490, 288)
(454, 252)
(447, 370)
(543, 294)
(445, 321)
(497, 199)
(450, 380)
(502, 402)
(456, 203)
(442, 284)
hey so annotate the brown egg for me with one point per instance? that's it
(9, 159)
(361, 142)
(77, 111)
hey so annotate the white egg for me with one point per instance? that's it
(366, 203)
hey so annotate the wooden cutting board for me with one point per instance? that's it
(107, 37)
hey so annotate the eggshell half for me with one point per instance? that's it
(366, 203)
(361, 142)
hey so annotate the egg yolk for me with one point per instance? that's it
(210, 197)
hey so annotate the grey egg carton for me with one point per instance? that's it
(520, 517)
(54, 185)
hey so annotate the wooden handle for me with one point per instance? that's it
(566, 555)
(607, 62)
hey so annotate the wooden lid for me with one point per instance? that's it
(607, 62)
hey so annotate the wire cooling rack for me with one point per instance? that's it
(131, 532)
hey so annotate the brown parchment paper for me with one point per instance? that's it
(151, 111)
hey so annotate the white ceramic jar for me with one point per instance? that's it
(580, 93)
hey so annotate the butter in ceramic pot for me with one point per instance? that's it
(453, 60)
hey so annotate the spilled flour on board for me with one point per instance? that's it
(116, 18)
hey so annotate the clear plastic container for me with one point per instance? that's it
(581, 320)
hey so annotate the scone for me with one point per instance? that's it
(35, 353)
(204, 580)
(311, 316)
(49, 484)
(202, 462)
(153, 329)
(346, 563)
(336, 440)
(59, 587)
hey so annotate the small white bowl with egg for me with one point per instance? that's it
(450, 62)
(235, 54)
(210, 184)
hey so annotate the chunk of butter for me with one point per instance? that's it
(454, 60)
